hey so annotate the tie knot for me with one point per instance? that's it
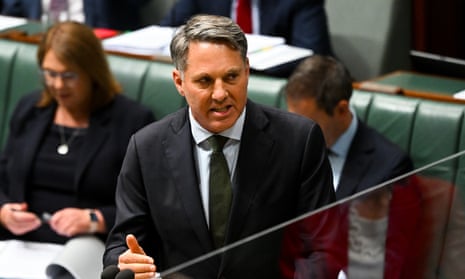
(217, 142)
(330, 152)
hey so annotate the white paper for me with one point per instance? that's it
(257, 43)
(460, 94)
(80, 258)
(150, 40)
(26, 260)
(263, 51)
(277, 55)
(10, 22)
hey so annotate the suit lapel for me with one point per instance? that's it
(358, 160)
(97, 134)
(29, 143)
(178, 146)
(255, 147)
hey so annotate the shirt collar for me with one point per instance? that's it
(200, 134)
(342, 144)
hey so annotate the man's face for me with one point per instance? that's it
(214, 84)
(330, 125)
(309, 108)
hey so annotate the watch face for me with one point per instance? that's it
(93, 217)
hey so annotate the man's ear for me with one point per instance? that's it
(342, 107)
(177, 79)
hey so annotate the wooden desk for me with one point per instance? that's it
(415, 84)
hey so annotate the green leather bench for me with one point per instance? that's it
(427, 130)
(20, 74)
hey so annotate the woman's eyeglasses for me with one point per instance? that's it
(68, 78)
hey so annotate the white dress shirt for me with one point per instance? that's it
(202, 153)
(340, 149)
(75, 10)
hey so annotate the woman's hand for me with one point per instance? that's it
(16, 218)
(73, 221)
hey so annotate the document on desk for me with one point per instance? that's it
(26, 260)
(79, 258)
(268, 51)
(276, 55)
(7, 22)
(150, 40)
(460, 94)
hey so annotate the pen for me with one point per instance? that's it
(45, 217)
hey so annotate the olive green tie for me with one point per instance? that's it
(220, 190)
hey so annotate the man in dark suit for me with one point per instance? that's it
(320, 88)
(118, 15)
(300, 23)
(277, 162)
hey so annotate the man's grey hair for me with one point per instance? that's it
(206, 28)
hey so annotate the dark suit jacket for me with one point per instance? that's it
(101, 157)
(119, 15)
(302, 23)
(372, 159)
(282, 171)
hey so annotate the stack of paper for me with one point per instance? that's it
(267, 51)
(263, 51)
(7, 22)
(150, 40)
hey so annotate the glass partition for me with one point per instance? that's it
(409, 227)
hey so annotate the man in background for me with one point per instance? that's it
(301, 23)
(360, 157)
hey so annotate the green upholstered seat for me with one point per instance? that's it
(7, 54)
(266, 90)
(436, 135)
(361, 101)
(428, 130)
(159, 92)
(24, 78)
(130, 73)
(393, 117)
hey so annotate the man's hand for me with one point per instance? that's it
(135, 259)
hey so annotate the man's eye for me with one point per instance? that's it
(204, 81)
(231, 77)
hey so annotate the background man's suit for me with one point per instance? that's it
(158, 197)
(371, 160)
(301, 23)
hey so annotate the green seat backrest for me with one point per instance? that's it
(435, 135)
(24, 78)
(130, 73)
(266, 90)
(361, 101)
(460, 177)
(393, 117)
(7, 55)
(159, 92)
